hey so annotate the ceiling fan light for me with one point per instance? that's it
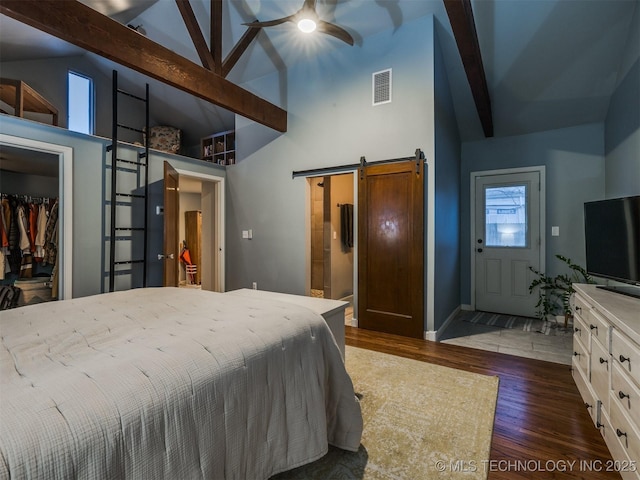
(306, 25)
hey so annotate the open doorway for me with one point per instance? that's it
(332, 235)
(200, 231)
(34, 169)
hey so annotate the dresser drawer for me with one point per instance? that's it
(626, 432)
(625, 393)
(600, 368)
(626, 354)
(585, 390)
(581, 357)
(599, 328)
(581, 306)
(626, 466)
(581, 330)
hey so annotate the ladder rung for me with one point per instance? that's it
(129, 262)
(132, 95)
(133, 162)
(130, 195)
(129, 128)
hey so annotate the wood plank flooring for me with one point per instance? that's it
(540, 422)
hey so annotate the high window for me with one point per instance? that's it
(80, 105)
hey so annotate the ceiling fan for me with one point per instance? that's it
(308, 21)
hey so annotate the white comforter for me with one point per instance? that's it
(167, 383)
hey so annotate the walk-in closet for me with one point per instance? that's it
(29, 260)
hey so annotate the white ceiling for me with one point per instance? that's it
(549, 63)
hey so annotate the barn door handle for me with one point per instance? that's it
(167, 257)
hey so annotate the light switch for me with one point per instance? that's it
(555, 231)
(245, 233)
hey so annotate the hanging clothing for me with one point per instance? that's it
(51, 237)
(43, 217)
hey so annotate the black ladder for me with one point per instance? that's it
(127, 200)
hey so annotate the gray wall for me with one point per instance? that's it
(49, 78)
(88, 190)
(331, 122)
(447, 198)
(622, 125)
(574, 161)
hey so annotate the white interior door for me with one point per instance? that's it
(507, 241)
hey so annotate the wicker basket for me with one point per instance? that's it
(34, 290)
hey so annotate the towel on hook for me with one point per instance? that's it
(346, 224)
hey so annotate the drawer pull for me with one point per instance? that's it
(599, 425)
(624, 359)
(576, 329)
(623, 395)
(578, 309)
(620, 433)
(602, 360)
(587, 405)
(576, 354)
(594, 327)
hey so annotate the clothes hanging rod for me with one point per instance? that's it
(315, 172)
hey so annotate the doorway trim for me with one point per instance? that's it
(307, 229)
(540, 169)
(219, 221)
(65, 201)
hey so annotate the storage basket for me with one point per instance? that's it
(34, 290)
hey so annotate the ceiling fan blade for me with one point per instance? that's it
(335, 31)
(270, 23)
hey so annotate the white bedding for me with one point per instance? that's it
(167, 383)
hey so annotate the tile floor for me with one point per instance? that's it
(556, 347)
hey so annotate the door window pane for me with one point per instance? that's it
(506, 216)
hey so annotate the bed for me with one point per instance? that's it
(168, 383)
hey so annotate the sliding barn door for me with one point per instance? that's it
(390, 248)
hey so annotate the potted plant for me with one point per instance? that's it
(554, 293)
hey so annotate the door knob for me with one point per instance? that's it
(479, 250)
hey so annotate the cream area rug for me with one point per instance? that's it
(421, 421)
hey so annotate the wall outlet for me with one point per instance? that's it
(254, 285)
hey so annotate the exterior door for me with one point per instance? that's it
(507, 243)
(390, 248)
(171, 245)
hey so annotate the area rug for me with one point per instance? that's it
(525, 324)
(421, 421)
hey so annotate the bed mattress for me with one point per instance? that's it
(169, 383)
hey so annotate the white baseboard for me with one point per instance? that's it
(430, 335)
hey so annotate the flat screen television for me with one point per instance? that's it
(612, 238)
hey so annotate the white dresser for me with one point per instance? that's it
(606, 369)
(331, 310)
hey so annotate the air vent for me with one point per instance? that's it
(381, 87)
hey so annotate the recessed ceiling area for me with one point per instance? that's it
(31, 162)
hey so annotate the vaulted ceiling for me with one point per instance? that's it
(548, 63)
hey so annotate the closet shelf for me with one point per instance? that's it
(22, 98)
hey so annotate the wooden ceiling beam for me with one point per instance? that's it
(82, 26)
(464, 30)
(216, 34)
(195, 33)
(238, 50)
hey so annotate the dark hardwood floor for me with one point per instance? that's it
(541, 424)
